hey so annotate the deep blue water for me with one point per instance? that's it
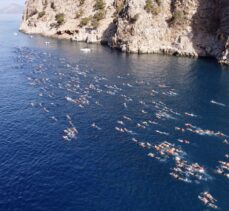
(46, 89)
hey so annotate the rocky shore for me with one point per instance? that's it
(194, 28)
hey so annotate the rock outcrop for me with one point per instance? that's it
(176, 27)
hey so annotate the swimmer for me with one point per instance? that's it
(209, 196)
(119, 129)
(141, 126)
(190, 114)
(151, 155)
(152, 122)
(162, 86)
(219, 171)
(162, 133)
(134, 140)
(145, 123)
(120, 122)
(176, 176)
(95, 126)
(68, 117)
(54, 118)
(129, 131)
(46, 110)
(148, 144)
(225, 141)
(33, 104)
(183, 141)
(217, 103)
(142, 144)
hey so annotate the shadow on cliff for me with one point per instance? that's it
(205, 25)
(108, 34)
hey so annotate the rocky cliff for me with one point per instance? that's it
(175, 27)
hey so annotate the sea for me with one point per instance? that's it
(86, 127)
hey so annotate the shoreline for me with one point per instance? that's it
(185, 29)
(106, 44)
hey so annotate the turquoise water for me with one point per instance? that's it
(80, 131)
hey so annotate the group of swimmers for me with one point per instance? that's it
(194, 129)
(70, 132)
(223, 167)
(188, 172)
(208, 200)
(81, 93)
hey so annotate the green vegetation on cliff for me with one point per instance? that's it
(153, 7)
(41, 14)
(60, 18)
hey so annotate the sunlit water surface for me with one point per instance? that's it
(77, 128)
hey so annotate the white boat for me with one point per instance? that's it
(85, 50)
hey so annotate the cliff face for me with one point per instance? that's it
(224, 29)
(176, 27)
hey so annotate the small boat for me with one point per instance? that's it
(85, 50)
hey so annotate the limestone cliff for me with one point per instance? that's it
(176, 27)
